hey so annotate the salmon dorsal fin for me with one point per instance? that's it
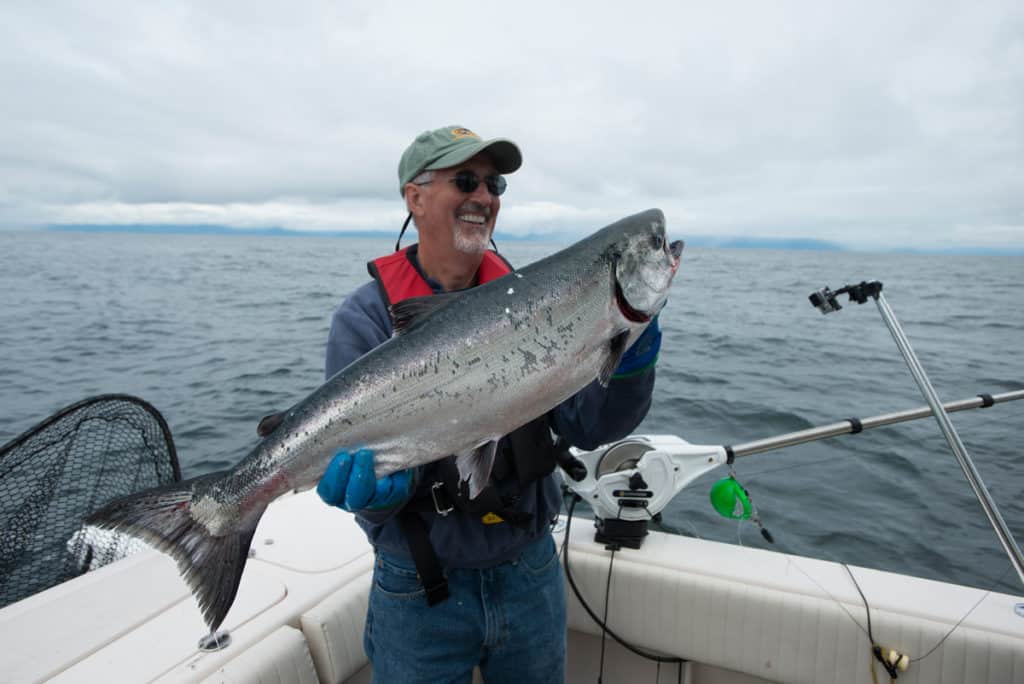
(406, 314)
(269, 423)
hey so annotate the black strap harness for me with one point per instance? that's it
(526, 455)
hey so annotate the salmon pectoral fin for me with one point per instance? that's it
(475, 466)
(616, 348)
(211, 565)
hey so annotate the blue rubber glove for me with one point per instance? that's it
(643, 354)
(349, 483)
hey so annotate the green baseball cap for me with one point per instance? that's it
(451, 145)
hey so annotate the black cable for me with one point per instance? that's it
(876, 650)
(657, 674)
(607, 600)
(934, 648)
(867, 608)
(586, 607)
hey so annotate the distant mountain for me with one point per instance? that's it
(182, 229)
(275, 231)
(763, 243)
(962, 251)
(718, 241)
(212, 229)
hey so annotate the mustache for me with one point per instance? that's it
(474, 208)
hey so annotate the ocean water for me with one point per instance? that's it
(217, 331)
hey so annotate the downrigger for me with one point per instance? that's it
(628, 483)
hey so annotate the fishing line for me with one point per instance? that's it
(816, 462)
(839, 603)
(868, 631)
(769, 471)
(960, 621)
(750, 476)
(660, 522)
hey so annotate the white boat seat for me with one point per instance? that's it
(759, 613)
(334, 631)
(280, 658)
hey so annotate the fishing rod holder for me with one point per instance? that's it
(826, 301)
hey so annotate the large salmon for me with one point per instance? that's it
(462, 370)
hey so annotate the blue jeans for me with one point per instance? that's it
(509, 620)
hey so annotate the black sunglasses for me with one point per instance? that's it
(467, 181)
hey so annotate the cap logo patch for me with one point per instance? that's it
(460, 133)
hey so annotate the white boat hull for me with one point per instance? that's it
(741, 615)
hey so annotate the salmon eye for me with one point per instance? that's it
(657, 242)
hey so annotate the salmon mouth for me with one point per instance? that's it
(628, 312)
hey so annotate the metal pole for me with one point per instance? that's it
(847, 426)
(949, 432)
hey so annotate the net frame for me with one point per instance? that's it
(59, 471)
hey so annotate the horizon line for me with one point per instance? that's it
(713, 241)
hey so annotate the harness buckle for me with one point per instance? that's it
(441, 510)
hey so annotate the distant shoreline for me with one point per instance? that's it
(277, 231)
(721, 242)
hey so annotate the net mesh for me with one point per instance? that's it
(64, 468)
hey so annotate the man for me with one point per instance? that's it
(459, 583)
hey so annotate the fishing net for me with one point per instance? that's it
(64, 468)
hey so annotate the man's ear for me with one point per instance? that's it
(414, 199)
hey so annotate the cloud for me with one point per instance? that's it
(895, 123)
(296, 214)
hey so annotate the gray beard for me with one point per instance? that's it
(470, 241)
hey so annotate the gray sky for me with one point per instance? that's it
(867, 123)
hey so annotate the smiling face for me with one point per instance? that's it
(448, 218)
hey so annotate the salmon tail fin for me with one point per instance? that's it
(212, 565)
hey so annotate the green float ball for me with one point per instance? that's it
(730, 499)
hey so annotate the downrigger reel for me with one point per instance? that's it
(629, 482)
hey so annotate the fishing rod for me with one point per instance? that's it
(825, 301)
(628, 483)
